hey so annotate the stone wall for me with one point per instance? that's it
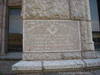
(52, 29)
(57, 38)
(76, 11)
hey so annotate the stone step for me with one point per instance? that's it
(57, 65)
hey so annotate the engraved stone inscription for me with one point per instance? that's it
(51, 35)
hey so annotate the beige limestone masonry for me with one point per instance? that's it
(51, 36)
(78, 9)
(56, 66)
(45, 39)
(86, 35)
(52, 27)
(57, 35)
(53, 55)
(45, 9)
(56, 9)
(42, 56)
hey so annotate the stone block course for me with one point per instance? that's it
(45, 9)
(89, 54)
(41, 56)
(79, 10)
(72, 55)
(28, 66)
(64, 73)
(56, 65)
(63, 65)
(52, 55)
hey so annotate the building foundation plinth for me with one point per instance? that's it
(57, 66)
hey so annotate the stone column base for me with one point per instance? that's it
(56, 66)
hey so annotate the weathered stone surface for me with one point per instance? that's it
(72, 55)
(51, 55)
(27, 66)
(41, 56)
(62, 65)
(45, 9)
(92, 62)
(86, 36)
(51, 36)
(88, 13)
(89, 54)
(78, 9)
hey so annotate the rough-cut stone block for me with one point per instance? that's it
(92, 62)
(41, 56)
(86, 36)
(45, 9)
(27, 66)
(62, 65)
(72, 55)
(55, 66)
(51, 36)
(51, 56)
(78, 9)
(88, 13)
(89, 54)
